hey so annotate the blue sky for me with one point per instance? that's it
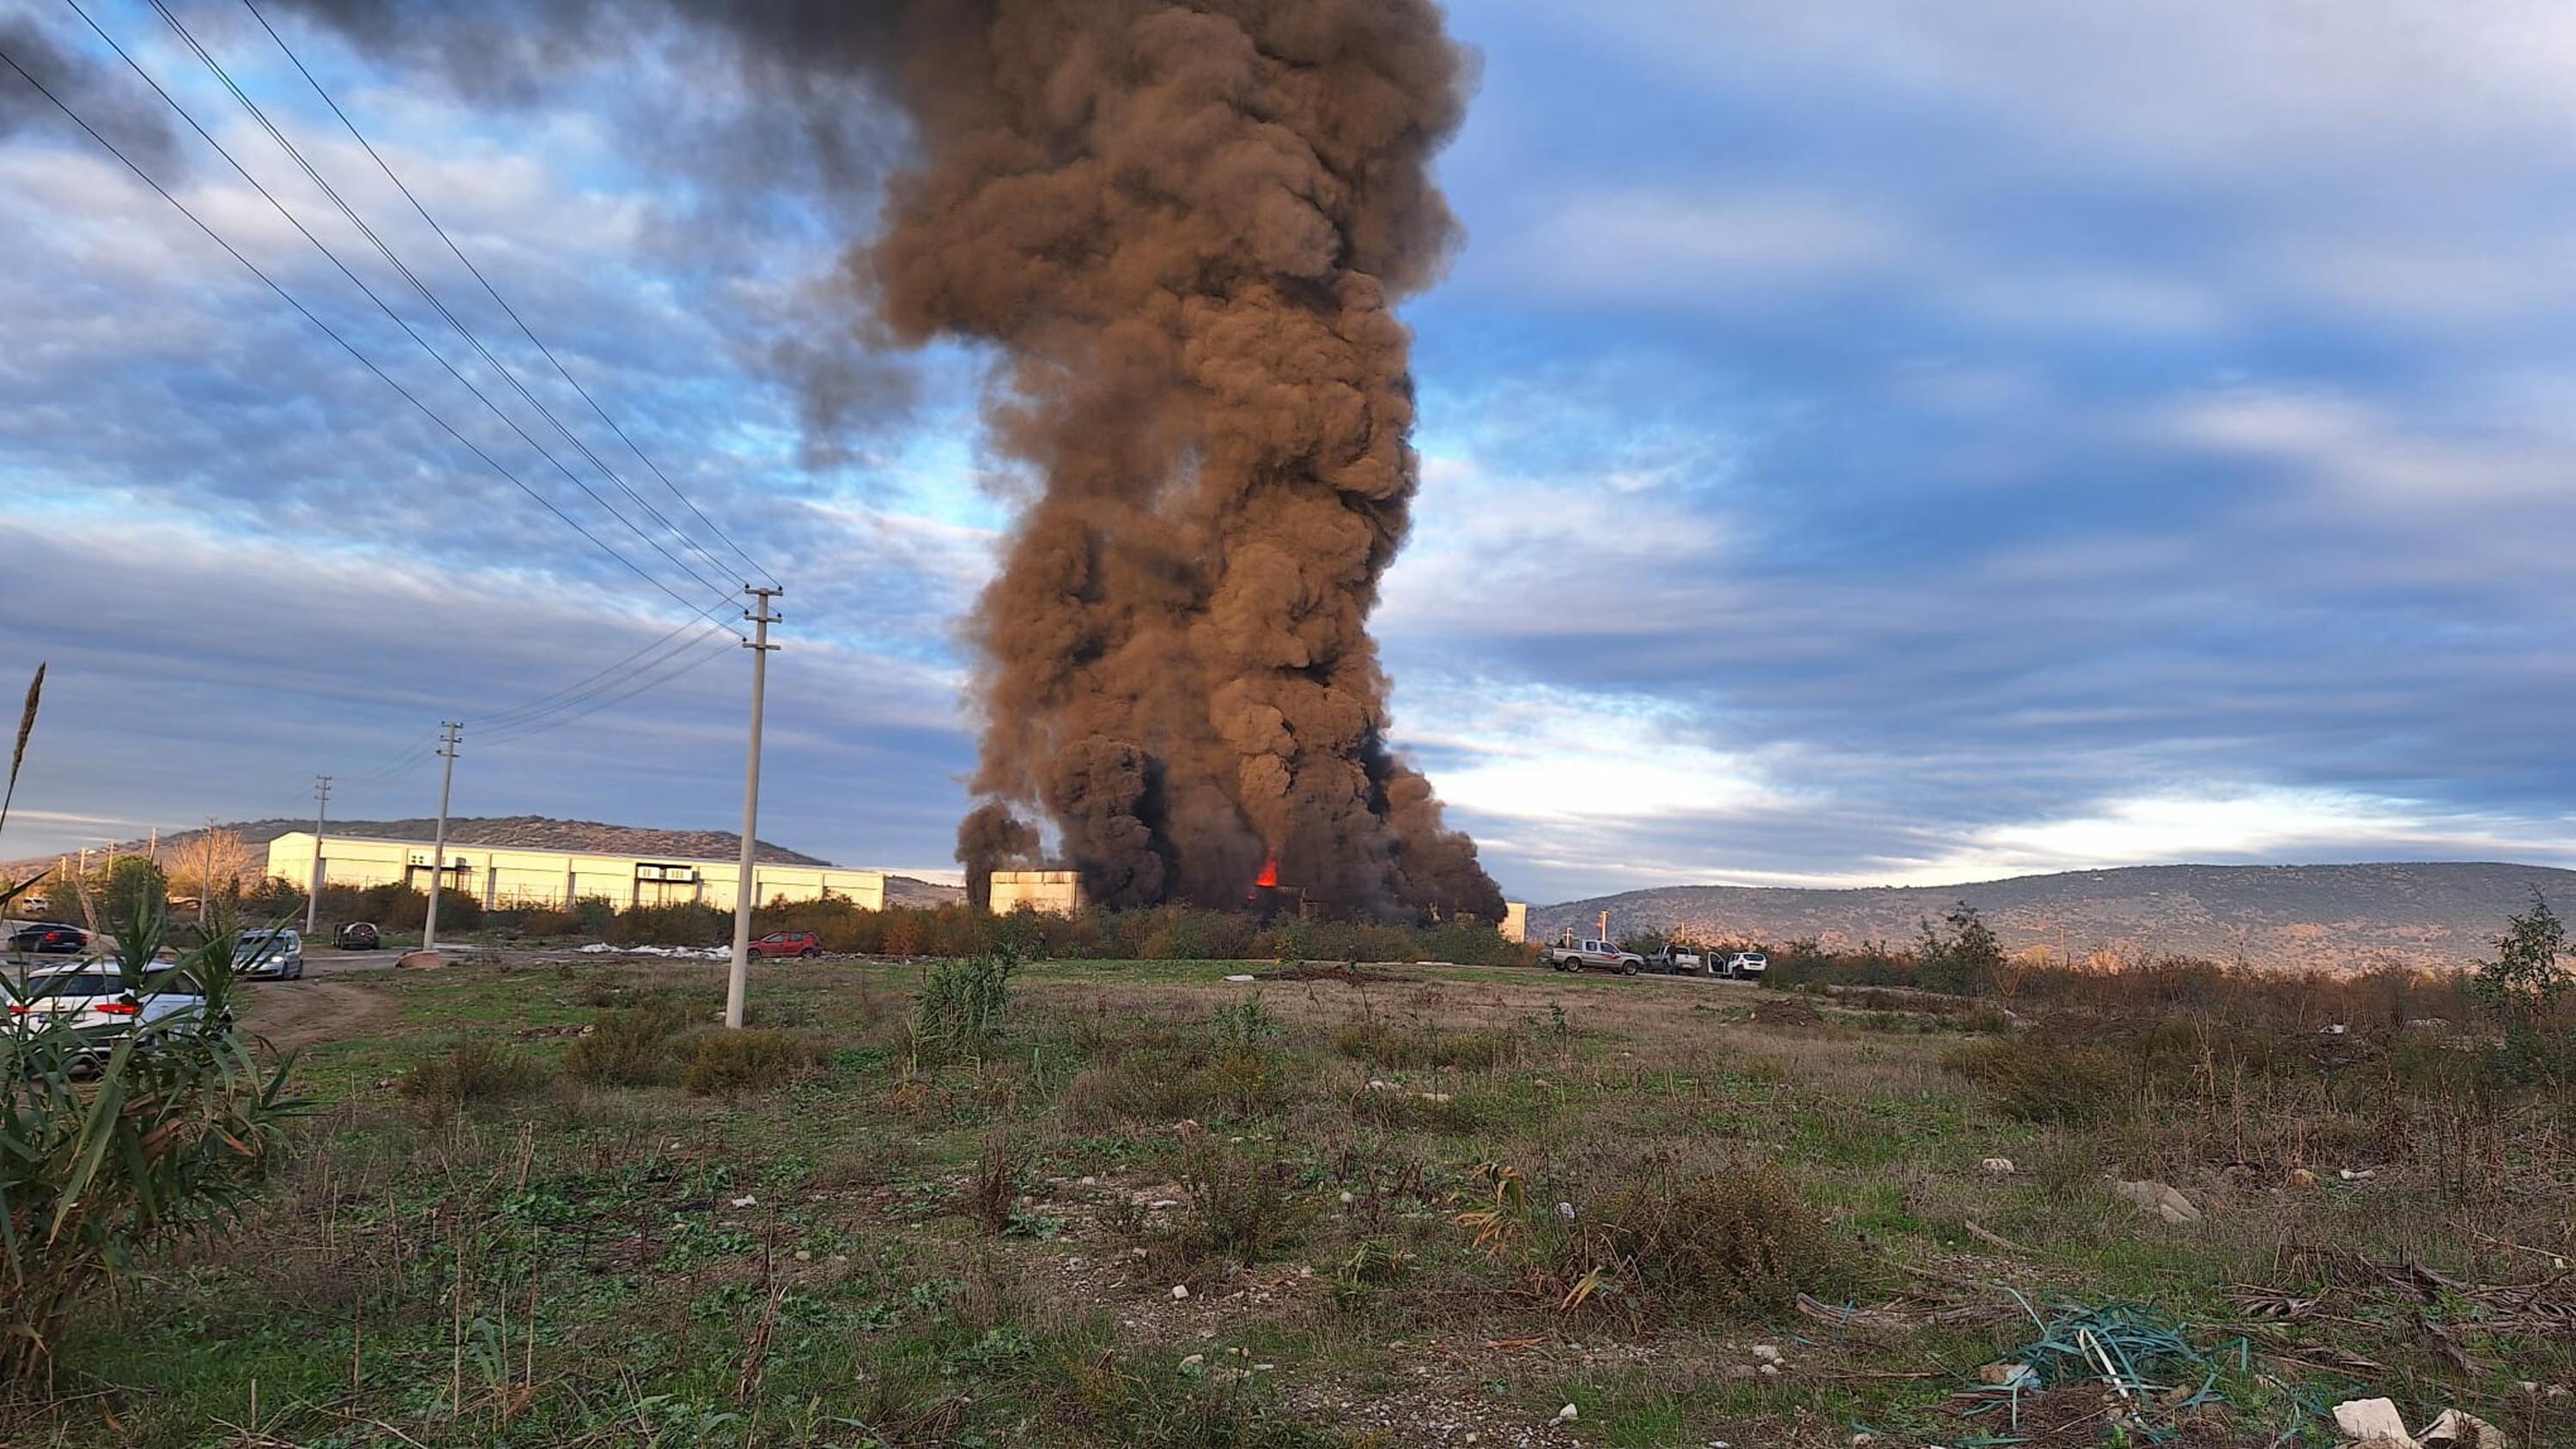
(1862, 442)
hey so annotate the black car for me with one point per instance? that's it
(359, 936)
(42, 940)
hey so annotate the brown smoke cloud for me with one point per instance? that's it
(1184, 229)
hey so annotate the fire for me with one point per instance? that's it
(1269, 876)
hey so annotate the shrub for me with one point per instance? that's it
(2040, 1079)
(729, 1063)
(1243, 1206)
(1734, 1240)
(959, 1007)
(168, 1141)
(628, 1047)
(471, 1073)
(993, 1193)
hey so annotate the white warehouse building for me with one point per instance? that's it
(506, 875)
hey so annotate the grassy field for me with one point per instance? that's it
(545, 1204)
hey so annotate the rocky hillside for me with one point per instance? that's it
(2298, 916)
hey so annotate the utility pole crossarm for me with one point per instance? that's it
(738, 977)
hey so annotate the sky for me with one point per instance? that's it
(1862, 442)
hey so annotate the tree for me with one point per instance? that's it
(130, 881)
(1966, 961)
(213, 865)
(2522, 987)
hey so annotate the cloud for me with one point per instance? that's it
(1863, 441)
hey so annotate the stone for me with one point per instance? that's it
(1767, 1352)
(2459, 1430)
(1567, 1415)
(2370, 1420)
(2160, 1199)
(2300, 1177)
(1180, 1291)
(1999, 1166)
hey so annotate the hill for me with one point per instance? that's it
(2295, 916)
(535, 832)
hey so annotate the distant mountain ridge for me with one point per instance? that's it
(2433, 914)
(540, 832)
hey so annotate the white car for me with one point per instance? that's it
(92, 996)
(1747, 965)
(277, 953)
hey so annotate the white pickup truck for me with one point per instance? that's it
(1594, 956)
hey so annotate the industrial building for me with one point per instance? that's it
(1055, 892)
(504, 876)
(1515, 923)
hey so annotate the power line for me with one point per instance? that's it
(546, 701)
(525, 717)
(495, 295)
(408, 330)
(328, 331)
(441, 308)
(723, 650)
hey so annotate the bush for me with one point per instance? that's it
(2039, 1079)
(730, 1063)
(1245, 1207)
(471, 1073)
(628, 1047)
(167, 1142)
(959, 1007)
(993, 1193)
(1732, 1240)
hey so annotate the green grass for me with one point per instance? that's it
(800, 1265)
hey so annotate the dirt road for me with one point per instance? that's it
(300, 1013)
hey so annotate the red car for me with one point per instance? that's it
(804, 944)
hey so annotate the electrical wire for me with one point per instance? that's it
(547, 701)
(494, 293)
(439, 306)
(525, 716)
(345, 345)
(651, 683)
(398, 319)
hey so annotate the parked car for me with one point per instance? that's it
(48, 940)
(92, 998)
(274, 952)
(359, 936)
(802, 944)
(1675, 960)
(1748, 965)
(1594, 956)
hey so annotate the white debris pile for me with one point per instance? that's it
(683, 953)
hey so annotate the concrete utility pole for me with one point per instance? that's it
(321, 815)
(206, 879)
(438, 851)
(739, 977)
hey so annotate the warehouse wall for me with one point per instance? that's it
(499, 876)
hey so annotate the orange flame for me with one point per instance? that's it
(1269, 876)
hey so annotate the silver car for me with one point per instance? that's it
(276, 954)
